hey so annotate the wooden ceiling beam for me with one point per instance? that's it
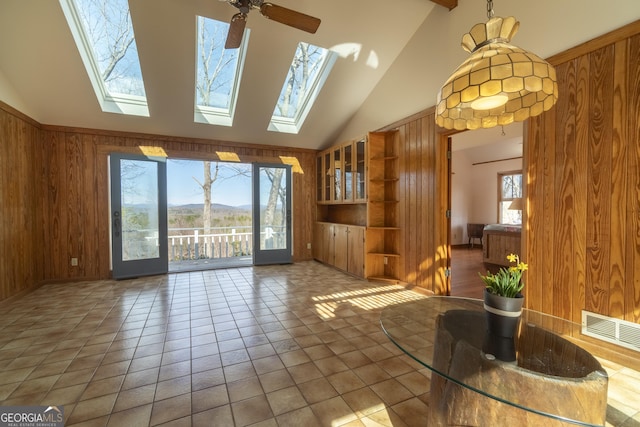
(449, 4)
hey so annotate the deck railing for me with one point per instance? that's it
(223, 242)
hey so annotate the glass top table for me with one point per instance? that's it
(539, 377)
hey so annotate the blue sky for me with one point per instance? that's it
(229, 189)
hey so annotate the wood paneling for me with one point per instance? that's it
(583, 184)
(423, 175)
(22, 209)
(54, 196)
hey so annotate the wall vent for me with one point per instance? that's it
(621, 332)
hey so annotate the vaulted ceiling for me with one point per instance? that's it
(395, 56)
(43, 65)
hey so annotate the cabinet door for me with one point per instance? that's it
(318, 242)
(336, 163)
(360, 171)
(355, 251)
(341, 241)
(329, 244)
(347, 153)
(319, 179)
(327, 176)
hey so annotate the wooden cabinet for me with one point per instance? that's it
(341, 174)
(358, 198)
(349, 248)
(341, 246)
(383, 227)
(323, 247)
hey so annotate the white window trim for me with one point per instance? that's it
(293, 125)
(120, 104)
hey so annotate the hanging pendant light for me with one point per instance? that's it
(499, 83)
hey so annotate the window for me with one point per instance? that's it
(308, 71)
(103, 32)
(510, 191)
(218, 72)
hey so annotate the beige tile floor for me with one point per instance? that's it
(295, 345)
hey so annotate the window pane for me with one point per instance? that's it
(307, 73)
(510, 189)
(216, 66)
(107, 26)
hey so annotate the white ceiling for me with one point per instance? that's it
(485, 145)
(407, 48)
(40, 64)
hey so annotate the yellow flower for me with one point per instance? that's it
(507, 281)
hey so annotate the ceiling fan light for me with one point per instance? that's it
(499, 83)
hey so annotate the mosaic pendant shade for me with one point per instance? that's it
(498, 84)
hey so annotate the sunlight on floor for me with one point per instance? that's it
(366, 299)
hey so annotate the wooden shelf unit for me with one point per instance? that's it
(382, 242)
(357, 218)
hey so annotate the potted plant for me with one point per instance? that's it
(503, 297)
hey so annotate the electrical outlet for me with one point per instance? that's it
(308, 245)
(74, 262)
(386, 260)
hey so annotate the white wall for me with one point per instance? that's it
(474, 192)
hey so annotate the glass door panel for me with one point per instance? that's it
(138, 216)
(337, 176)
(328, 174)
(348, 172)
(272, 214)
(360, 171)
(319, 181)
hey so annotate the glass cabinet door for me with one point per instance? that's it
(327, 178)
(348, 172)
(360, 177)
(337, 175)
(319, 181)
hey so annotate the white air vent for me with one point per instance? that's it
(621, 332)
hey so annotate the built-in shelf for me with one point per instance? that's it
(383, 254)
(382, 227)
(358, 218)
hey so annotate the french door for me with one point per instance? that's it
(138, 215)
(271, 214)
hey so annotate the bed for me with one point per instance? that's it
(500, 240)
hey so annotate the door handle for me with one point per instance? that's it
(116, 224)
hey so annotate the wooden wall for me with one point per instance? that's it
(54, 196)
(424, 199)
(582, 224)
(21, 209)
(583, 184)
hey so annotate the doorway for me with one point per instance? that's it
(138, 215)
(476, 159)
(209, 214)
(192, 215)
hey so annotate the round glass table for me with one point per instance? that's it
(538, 377)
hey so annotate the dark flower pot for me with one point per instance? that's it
(502, 314)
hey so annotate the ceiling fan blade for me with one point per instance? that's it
(290, 17)
(236, 31)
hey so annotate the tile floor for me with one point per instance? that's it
(295, 345)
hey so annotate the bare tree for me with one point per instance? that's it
(108, 25)
(208, 180)
(297, 80)
(213, 59)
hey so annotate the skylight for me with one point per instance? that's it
(308, 71)
(218, 72)
(104, 36)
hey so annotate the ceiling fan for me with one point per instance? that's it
(271, 11)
